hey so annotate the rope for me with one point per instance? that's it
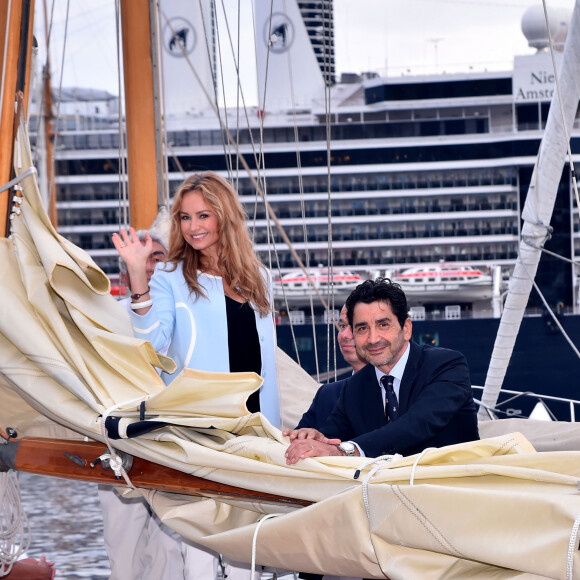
(255, 541)
(16, 180)
(14, 528)
(123, 214)
(115, 462)
(416, 463)
(5, 50)
(380, 461)
(572, 548)
(551, 312)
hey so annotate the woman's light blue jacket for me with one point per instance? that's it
(196, 330)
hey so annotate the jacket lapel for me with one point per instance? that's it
(409, 376)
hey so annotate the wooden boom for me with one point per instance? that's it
(79, 460)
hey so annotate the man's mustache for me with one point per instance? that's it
(382, 344)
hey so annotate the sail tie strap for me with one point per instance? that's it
(115, 461)
(18, 179)
(528, 240)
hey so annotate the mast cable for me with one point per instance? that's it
(214, 81)
(252, 178)
(123, 213)
(52, 169)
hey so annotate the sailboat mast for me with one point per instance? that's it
(142, 111)
(537, 212)
(15, 54)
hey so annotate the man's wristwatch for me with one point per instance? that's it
(348, 447)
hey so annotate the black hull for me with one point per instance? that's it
(542, 361)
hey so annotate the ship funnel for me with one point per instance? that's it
(289, 75)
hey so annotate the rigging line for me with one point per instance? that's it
(551, 312)
(52, 169)
(214, 81)
(238, 87)
(261, 177)
(217, 42)
(161, 161)
(555, 319)
(301, 194)
(292, 332)
(209, 99)
(261, 162)
(527, 240)
(123, 213)
(251, 176)
(330, 261)
(5, 50)
(559, 93)
(46, 69)
(165, 160)
(240, 94)
(176, 160)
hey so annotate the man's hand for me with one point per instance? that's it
(308, 434)
(309, 443)
(310, 447)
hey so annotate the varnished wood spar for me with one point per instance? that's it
(72, 460)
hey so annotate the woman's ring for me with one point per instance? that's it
(311, 446)
(123, 245)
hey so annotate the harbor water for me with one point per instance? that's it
(66, 525)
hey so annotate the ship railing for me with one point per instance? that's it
(502, 411)
(427, 315)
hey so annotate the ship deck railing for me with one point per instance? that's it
(501, 410)
(440, 314)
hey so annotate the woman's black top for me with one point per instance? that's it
(244, 344)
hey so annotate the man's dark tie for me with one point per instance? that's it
(391, 403)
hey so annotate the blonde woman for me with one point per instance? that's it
(211, 301)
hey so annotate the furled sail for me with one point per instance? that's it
(537, 211)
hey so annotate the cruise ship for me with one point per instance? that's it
(390, 173)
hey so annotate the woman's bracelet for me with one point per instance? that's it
(137, 296)
(139, 305)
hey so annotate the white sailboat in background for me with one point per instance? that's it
(68, 362)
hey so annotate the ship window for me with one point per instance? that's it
(427, 338)
(528, 117)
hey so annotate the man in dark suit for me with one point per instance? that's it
(327, 395)
(410, 397)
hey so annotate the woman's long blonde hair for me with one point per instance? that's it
(238, 263)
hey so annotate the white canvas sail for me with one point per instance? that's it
(66, 354)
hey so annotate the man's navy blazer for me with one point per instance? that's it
(322, 405)
(436, 406)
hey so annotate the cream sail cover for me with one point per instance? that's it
(488, 509)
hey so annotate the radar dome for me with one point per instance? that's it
(535, 29)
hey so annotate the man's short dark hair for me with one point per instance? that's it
(382, 289)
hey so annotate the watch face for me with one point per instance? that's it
(347, 447)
